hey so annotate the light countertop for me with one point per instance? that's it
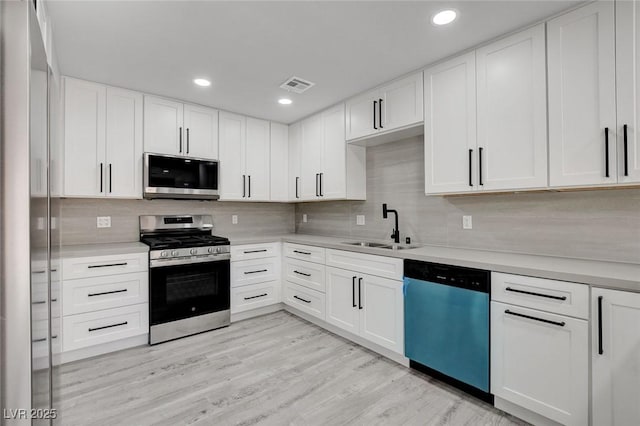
(85, 250)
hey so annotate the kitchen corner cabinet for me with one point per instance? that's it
(485, 121)
(330, 170)
(102, 142)
(394, 106)
(175, 128)
(615, 357)
(279, 167)
(244, 158)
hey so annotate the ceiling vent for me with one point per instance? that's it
(297, 85)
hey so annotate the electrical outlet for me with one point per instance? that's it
(104, 222)
(304, 218)
(234, 219)
(466, 222)
(359, 219)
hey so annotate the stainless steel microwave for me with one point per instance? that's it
(172, 176)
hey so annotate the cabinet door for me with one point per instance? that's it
(541, 362)
(582, 104)
(257, 159)
(382, 313)
(512, 113)
(616, 357)
(232, 147)
(311, 158)
(342, 299)
(124, 144)
(201, 132)
(403, 103)
(628, 86)
(84, 138)
(333, 180)
(362, 115)
(295, 154)
(450, 126)
(163, 126)
(279, 162)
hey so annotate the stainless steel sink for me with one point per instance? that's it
(399, 247)
(381, 245)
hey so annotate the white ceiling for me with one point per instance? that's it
(248, 49)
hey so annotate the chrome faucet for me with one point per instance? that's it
(396, 232)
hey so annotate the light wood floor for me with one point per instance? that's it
(272, 370)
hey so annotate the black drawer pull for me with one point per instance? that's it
(255, 251)
(44, 339)
(54, 337)
(39, 272)
(109, 326)
(39, 302)
(255, 297)
(302, 273)
(106, 292)
(255, 272)
(108, 265)
(300, 298)
(548, 296)
(560, 324)
(302, 252)
(600, 344)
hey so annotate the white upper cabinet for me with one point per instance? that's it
(395, 106)
(450, 126)
(511, 105)
(257, 159)
(103, 141)
(201, 131)
(174, 128)
(582, 103)
(311, 157)
(333, 177)
(295, 153)
(279, 162)
(615, 357)
(628, 87)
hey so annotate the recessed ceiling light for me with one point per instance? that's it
(202, 82)
(444, 17)
(285, 101)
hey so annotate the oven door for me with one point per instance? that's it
(183, 291)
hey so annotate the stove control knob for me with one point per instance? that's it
(164, 253)
(193, 251)
(211, 250)
(175, 253)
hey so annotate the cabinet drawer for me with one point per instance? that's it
(254, 296)
(39, 297)
(307, 274)
(304, 299)
(302, 252)
(382, 266)
(255, 251)
(93, 294)
(254, 271)
(559, 297)
(99, 266)
(94, 328)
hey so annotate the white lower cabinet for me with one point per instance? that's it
(252, 296)
(615, 357)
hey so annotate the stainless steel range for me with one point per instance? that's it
(189, 276)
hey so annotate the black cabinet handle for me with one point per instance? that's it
(626, 151)
(353, 291)
(244, 186)
(302, 252)
(101, 173)
(375, 103)
(480, 165)
(39, 302)
(600, 344)
(300, 298)
(559, 324)
(180, 137)
(255, 272)
(255, 297)
(470, 160)
(109, 326)
(536, 294)
(44, 339)
(107, 265)
(297, 180)
(187, 140)
(380, 113)
(255, 251)
(321, 177)
(302, 273)
(317, 193)
(359, 293)
(606, 152)
(110, 183)
(249, 186)
(106, 292)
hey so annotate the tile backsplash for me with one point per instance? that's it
(603, 224)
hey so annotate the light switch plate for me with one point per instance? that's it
(466, 222)
(359, 219)
(104, 222)
(304, 218)
(234, 219)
